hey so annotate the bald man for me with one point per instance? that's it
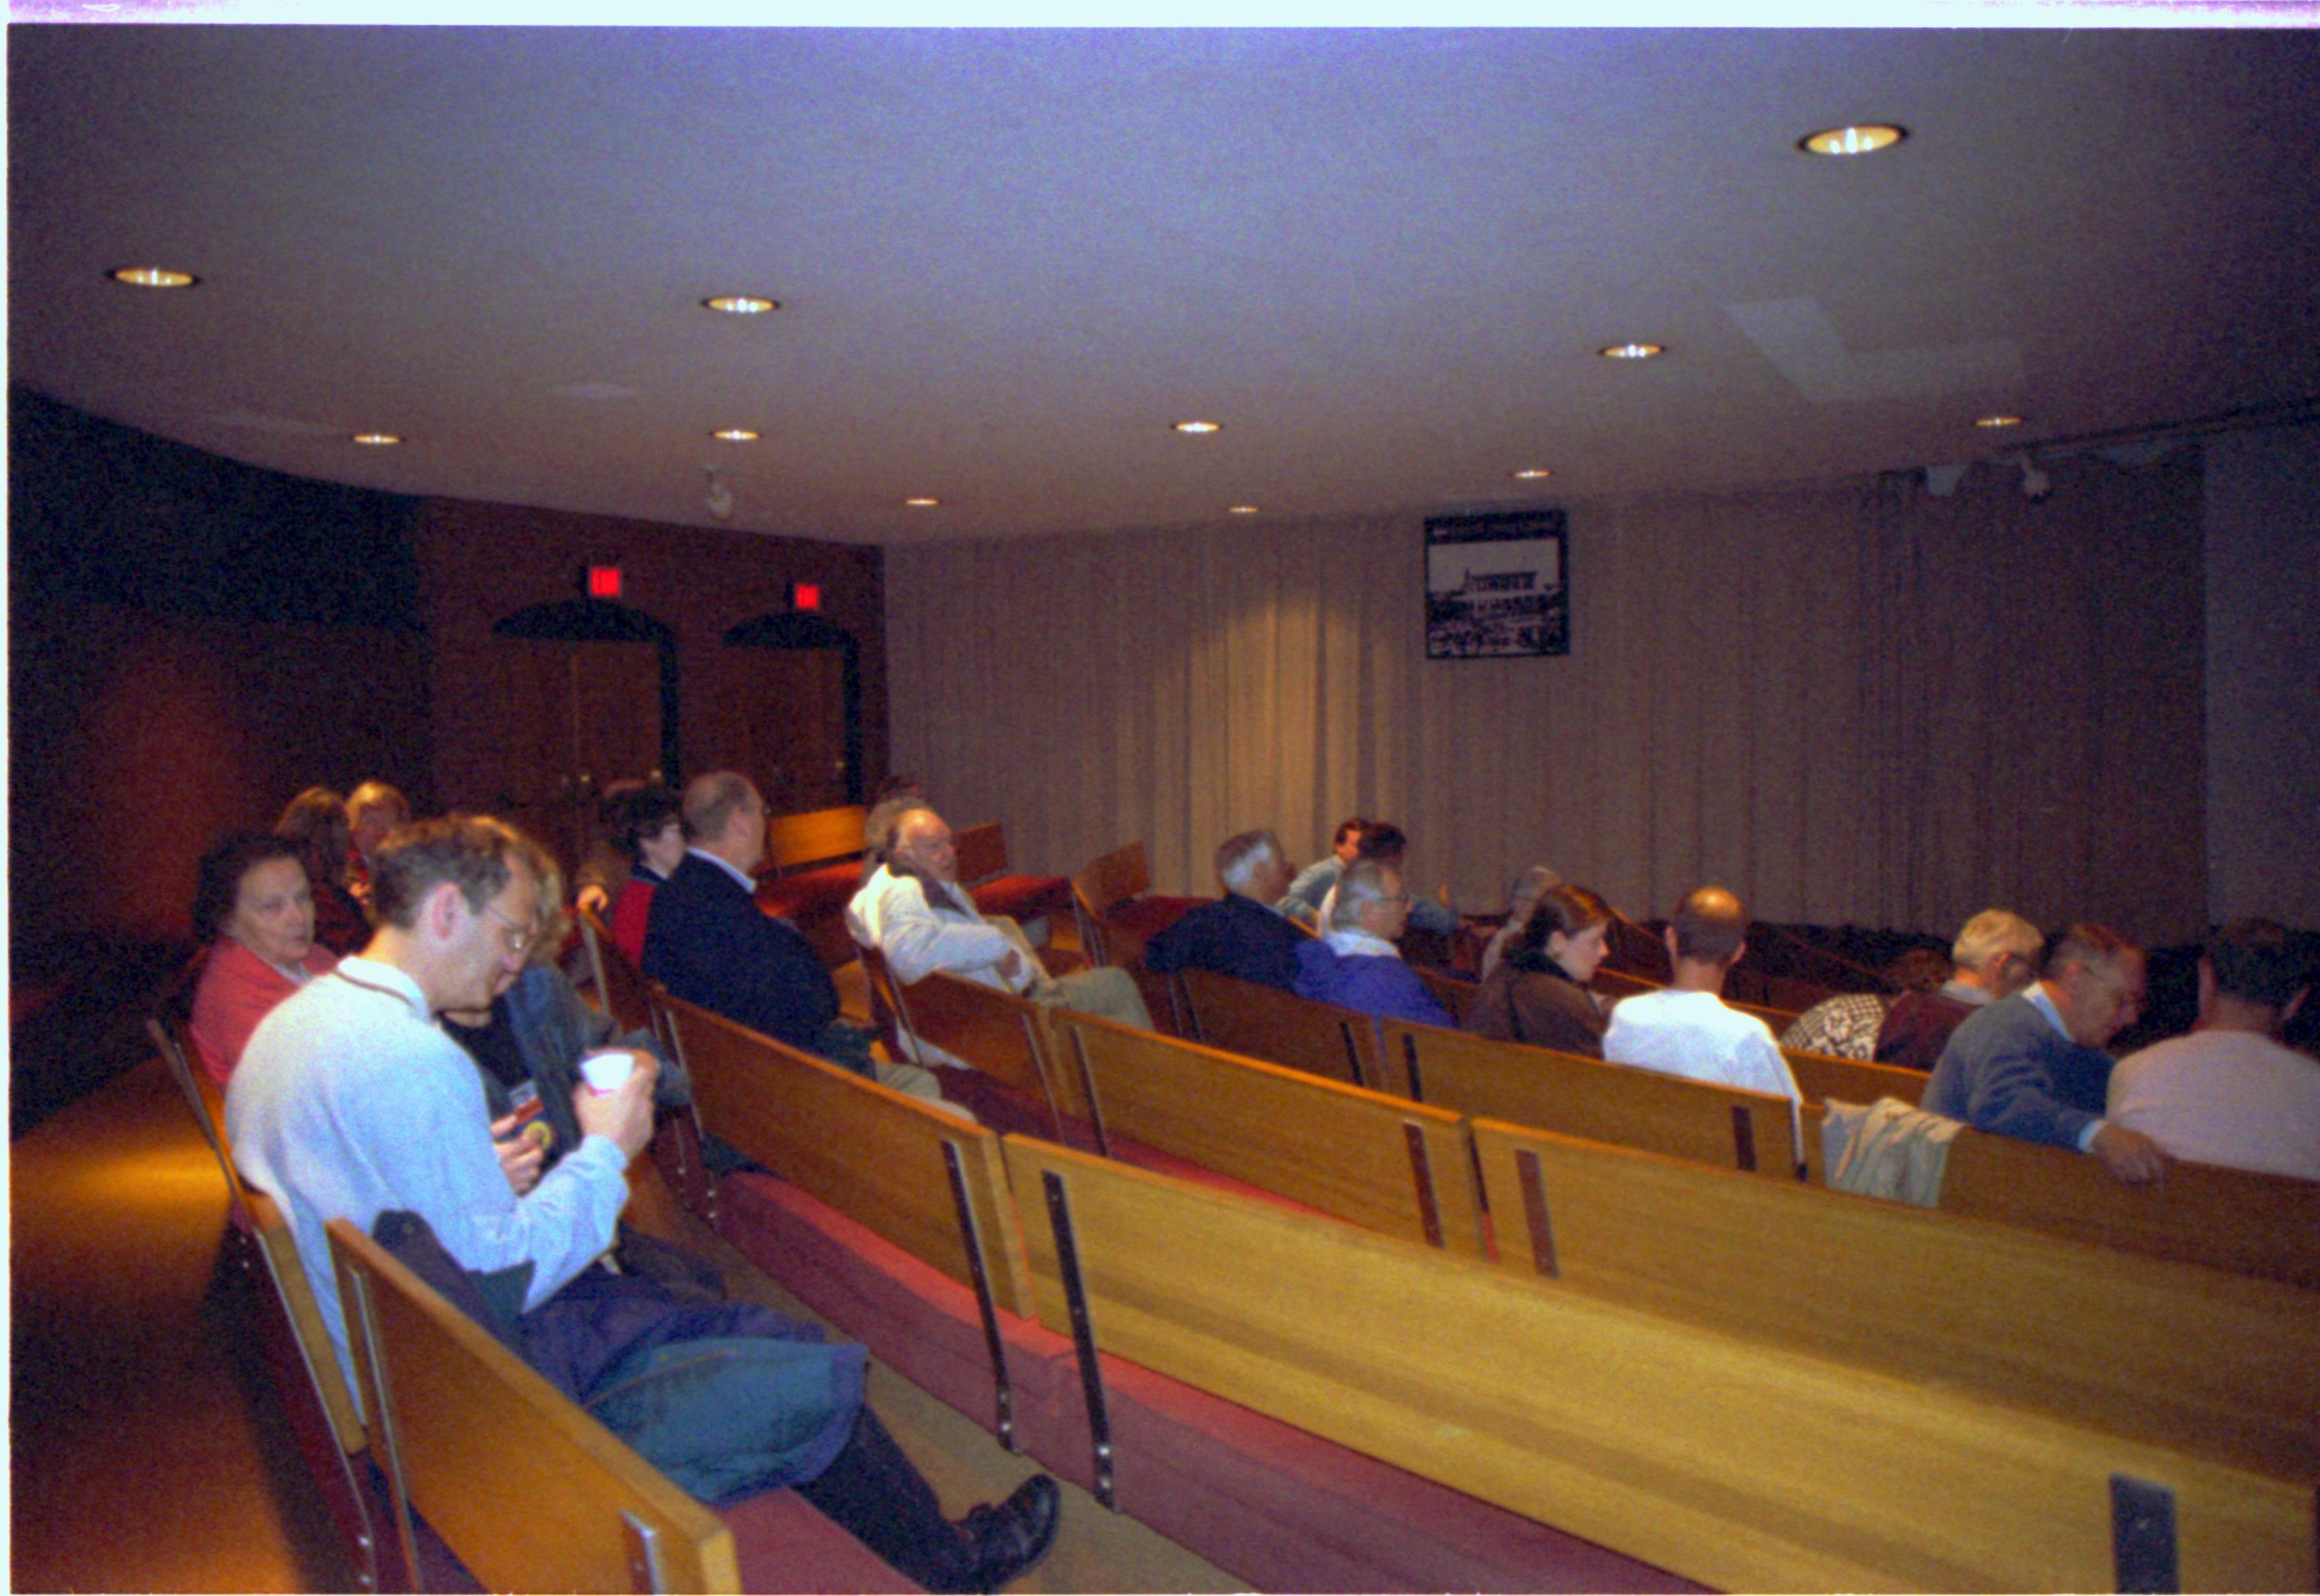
(1686, 1028)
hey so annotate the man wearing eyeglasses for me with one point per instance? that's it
(349, 1100)
(2033, 1066)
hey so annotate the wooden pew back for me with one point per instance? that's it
(1747, 1467)
(1456, 995)
(1259, 1021)
(2214, 1364)
(528, 1491)
(1004, 1036)
(279, 1248)
(1382, 1162)
(982, 852)
(1724, 1126)
(874, 1154)
(621, 985)
(794, 841)
(1821, 1077)
(2265, 1225)
(1116, 877)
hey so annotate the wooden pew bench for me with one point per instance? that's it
(1259, 1021)
(1724, 1126)
(855, 1230)
(1381, 1162)
(1117, 911)
(813, 868)
(534, 1494)
(1726, 1461)
(2262, 1225)
(1821, 1077)
(2203, 1361)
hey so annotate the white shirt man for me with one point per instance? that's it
(918, 917)
(1686, 1029)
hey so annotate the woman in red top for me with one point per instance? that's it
(253, 908)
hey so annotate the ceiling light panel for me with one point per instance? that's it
(1865, 138)
(152, 277)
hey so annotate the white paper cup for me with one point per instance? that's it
(607, 1072)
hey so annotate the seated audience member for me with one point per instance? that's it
(709, 943)
(1302, 901)
(2032, 1065)
(897, 796)
(1538, 993)
(2229, 1093)
(254, 912)
(606, 871)
(1997, 955)
(1847, 1026)
(1685, 1027)
(316, 824)
(535, 1031)
(1521, 896)
(918, 917)
(1382, 842)
(373, 809)
(1240, 934)
(1356, 964)
(351, 1103)
(649, 834)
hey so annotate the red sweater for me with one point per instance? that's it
(237, 989)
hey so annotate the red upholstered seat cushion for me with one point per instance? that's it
(1023, 897)
(782, 1542)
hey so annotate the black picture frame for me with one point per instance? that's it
(1498, 586)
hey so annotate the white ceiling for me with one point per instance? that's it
(1008, 260)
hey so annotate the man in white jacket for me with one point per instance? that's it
(915, 913)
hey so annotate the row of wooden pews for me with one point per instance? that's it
(1734, 1380)
(455, 1467)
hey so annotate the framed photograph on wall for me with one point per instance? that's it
(1497, 587)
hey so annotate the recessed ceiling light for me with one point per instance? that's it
(1862, 139)
(922, 503)
(742, 304)
(1198, 429)
(1998, 420)
(1632, 352)
(735, 435)
(1240, 509)
(378, 440)
(153, 276)
(1531, 474)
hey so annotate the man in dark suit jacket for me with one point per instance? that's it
(709, 943)
(1240, 934)
(707, 940)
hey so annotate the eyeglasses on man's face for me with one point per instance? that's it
(514, 938)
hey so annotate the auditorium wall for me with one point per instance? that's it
(1851, 702)
(192, 640)
(2263, 676)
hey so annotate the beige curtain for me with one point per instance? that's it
(1848, 701)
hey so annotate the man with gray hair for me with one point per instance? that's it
(915, 913)
(1240, 934)
(1997, 955)
(1356, 964)
(2033, 1066)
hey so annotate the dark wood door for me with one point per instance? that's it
(577, 716)
(787, 717)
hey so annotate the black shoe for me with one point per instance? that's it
(1010, 1538)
